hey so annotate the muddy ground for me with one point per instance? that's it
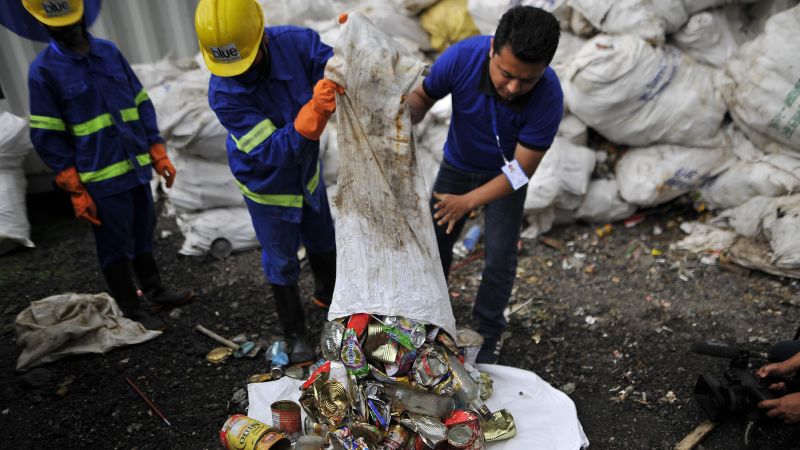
(612, 329)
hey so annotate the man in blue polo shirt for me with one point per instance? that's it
(507, 106)
(268, 91)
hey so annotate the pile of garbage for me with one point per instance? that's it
(392, 382)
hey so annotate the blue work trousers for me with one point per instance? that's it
(502, 224)
(127, 223)
(280, 240)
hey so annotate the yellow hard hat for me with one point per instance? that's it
(229, 33)
(55, 13)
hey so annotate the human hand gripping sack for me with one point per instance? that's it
(314, 115)
(161, 163)
(82, 202)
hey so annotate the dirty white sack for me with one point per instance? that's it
(603, 203)
(73, 324)
(654, 175)
(487, 13)
(202, 184)
(387, 258)
(636, 94)
(707, 37)
(545, 417)
(202, 228)
(14, 145)
(565, 168)
(704, 237)
(761, 83)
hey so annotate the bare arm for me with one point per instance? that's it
(451, 208)
(418, 104)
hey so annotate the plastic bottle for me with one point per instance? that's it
(278, 358)
(420, 402)
(472, 237)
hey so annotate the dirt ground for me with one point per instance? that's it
(606, 321)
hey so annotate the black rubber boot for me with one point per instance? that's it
(323, 266)
(293, 319)
(120, 283)
(147, 272)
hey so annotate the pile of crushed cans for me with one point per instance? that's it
(388, 382)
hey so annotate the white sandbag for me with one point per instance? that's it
(566, 168)
(201, 229)
(202, 184)
(186, 121)
(634, 17)
(539, 222)
(603, 203)
(73, 324)
(545, 417)
(413, 7)
(707, 38)
(695, 6)
(761, 83)
(14, 145)
(574, 130)
(756, 254)
(281, 12)
(778, 219)
(393, 23)
(635, 94)
(654, 175)
(387, 259)
(568, 46)
(163, 71)
(487, 13)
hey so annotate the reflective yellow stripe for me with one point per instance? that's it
(256, 136)
(92, 126)
(114, 170)
(312, 185)
(47, 123)
(292, 201)
(141, 97)
(129, 114)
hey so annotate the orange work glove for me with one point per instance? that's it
(82, 202)
(314, 115)
(162, 164)
(342, 18)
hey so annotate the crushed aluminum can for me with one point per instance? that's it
(464, 430)
(430, 429)
(444, 339)
(219, 354)
(401, 336)
(321, 372)
(359, 323)
(466, 389)
(259, 378)
(315, 428)
(381, 348)
(379, 412)
(244, 433)
(397, 438)
(370, 433)
(331, 339)
(499, 427)
(405, 361)
(352, 356)
(333, 402)
(431, 336)
(430, 367)
(487, 386)
(342, 439)
(295, 372)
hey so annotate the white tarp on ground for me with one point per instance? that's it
(654, 175)
(387, 258)
(544, 416)
(636, 94)
(14, 145)
(202, 228)
(73, 324)
(762, 83)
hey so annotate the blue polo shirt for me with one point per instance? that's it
(531, 120)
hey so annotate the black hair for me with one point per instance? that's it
(531, 33)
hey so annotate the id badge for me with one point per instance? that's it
(516, 176)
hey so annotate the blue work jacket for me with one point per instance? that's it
(275, 167)
(91, 112)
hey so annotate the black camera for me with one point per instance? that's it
(739, 390)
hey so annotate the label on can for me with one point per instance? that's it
(286, 418)
(243, 433)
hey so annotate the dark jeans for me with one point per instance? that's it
(502, 223)
(127, 223)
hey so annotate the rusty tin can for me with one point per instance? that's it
(464, 430)
(286, 418)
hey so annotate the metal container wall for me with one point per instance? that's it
(144, 30)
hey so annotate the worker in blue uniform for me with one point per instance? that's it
(507, 106)
(268, 91)
(93, 124)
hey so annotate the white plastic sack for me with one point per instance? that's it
(201, 229)
(393, 23)
(654, 175)
(545, 417)
(202, 184)
(387, 258)
(155, 74)
(487, 13)
(704, 237)
(777, 219)
(603, 203)
(573, 130)
(634, 17)
(413, 7)
(635, 94)
(565, 168)
(568, 46)
(281, 12)
(762, 83)
(73, 324)
(539, 222)
(707, 38)
(186, 121)
(14, 145)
